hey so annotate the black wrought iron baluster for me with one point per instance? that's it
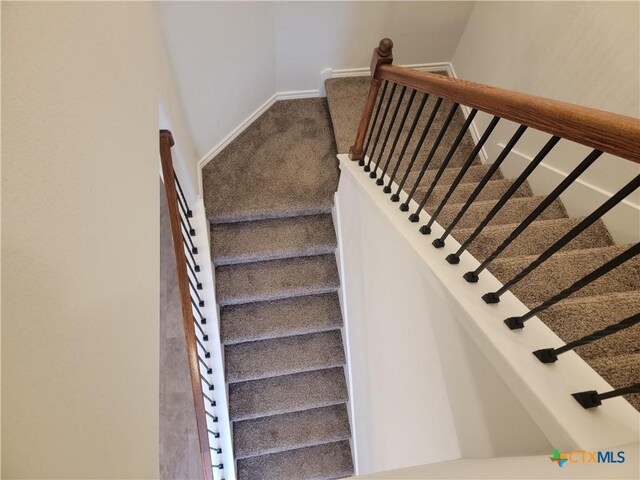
(211, 401)
(193, 250)
(494, 297)
(209, 385)
(548, 200)
(207, 354)
(382, 122)
(195, 268)
(405, 206)
(395, 197)
(205, 337)
(392, 121)
(216, 450)
(190, 231)
(195, 306)
(494, 167)
(550, 355)
(518, 322)
(204, 364)
(214, 419)
(591, 398)
(197, 286)
(374, 123)
(455, 257)
(215, 434)
(380, 181)
(416, 119)
(182, 199)
(426, 229)
(195, 291)
(445, 163)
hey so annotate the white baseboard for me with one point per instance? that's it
(290, 95)
(580, 199)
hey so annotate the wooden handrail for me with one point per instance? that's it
(166, 142)
(609, 132)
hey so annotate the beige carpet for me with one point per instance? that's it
(269, 196)
(606, 301)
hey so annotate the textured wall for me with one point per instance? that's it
(79, 241)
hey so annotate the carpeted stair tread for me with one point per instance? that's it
(475, 173)
(283, 164)
(620, 371)
(272, 239)
(493, 190)
(276, 279)
(563, 269)
(577, 317)
(277, 433)
(280, 318)
(535, 239)
(515, 210)
(287, 393)
(321, 462)
(283, 356)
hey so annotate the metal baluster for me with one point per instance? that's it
(380, 181)
(416, 119)
(405, 206)
(202, 317)
(209, 385)
(445, 163)
(374, 123)
(394, 115)
(426, 229)
(434, 111)
(194, 269)
(548, 200)
(518, 322)
(205, 337)
(550, 355)
(455, 257)
(496, 164)
(382, 121)
(212, 402)
(216, 450)
(181, 197)
(215, 434)
(494, 297)
(213, 417)
(591, 398)
(204, 364)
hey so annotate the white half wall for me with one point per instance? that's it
(586, 53)
(421, 389)
(434, 372)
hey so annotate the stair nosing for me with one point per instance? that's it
(325, 249)
(296, 333)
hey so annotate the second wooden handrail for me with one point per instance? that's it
(166, 142)
(609, 132)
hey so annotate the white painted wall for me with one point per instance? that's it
(312, 36)
(223, 57)
(231, 57)
(434, 373)
(79, 240)
(580, 52)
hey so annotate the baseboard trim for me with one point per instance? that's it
(580, 199)
(231, 136)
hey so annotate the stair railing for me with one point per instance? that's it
(196, 339)
(601, 131)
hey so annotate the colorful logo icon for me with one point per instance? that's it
(559, 458)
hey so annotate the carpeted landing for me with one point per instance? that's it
(606, 301)
(268, 197)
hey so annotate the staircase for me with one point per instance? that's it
(608, 300)
(268, 197)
